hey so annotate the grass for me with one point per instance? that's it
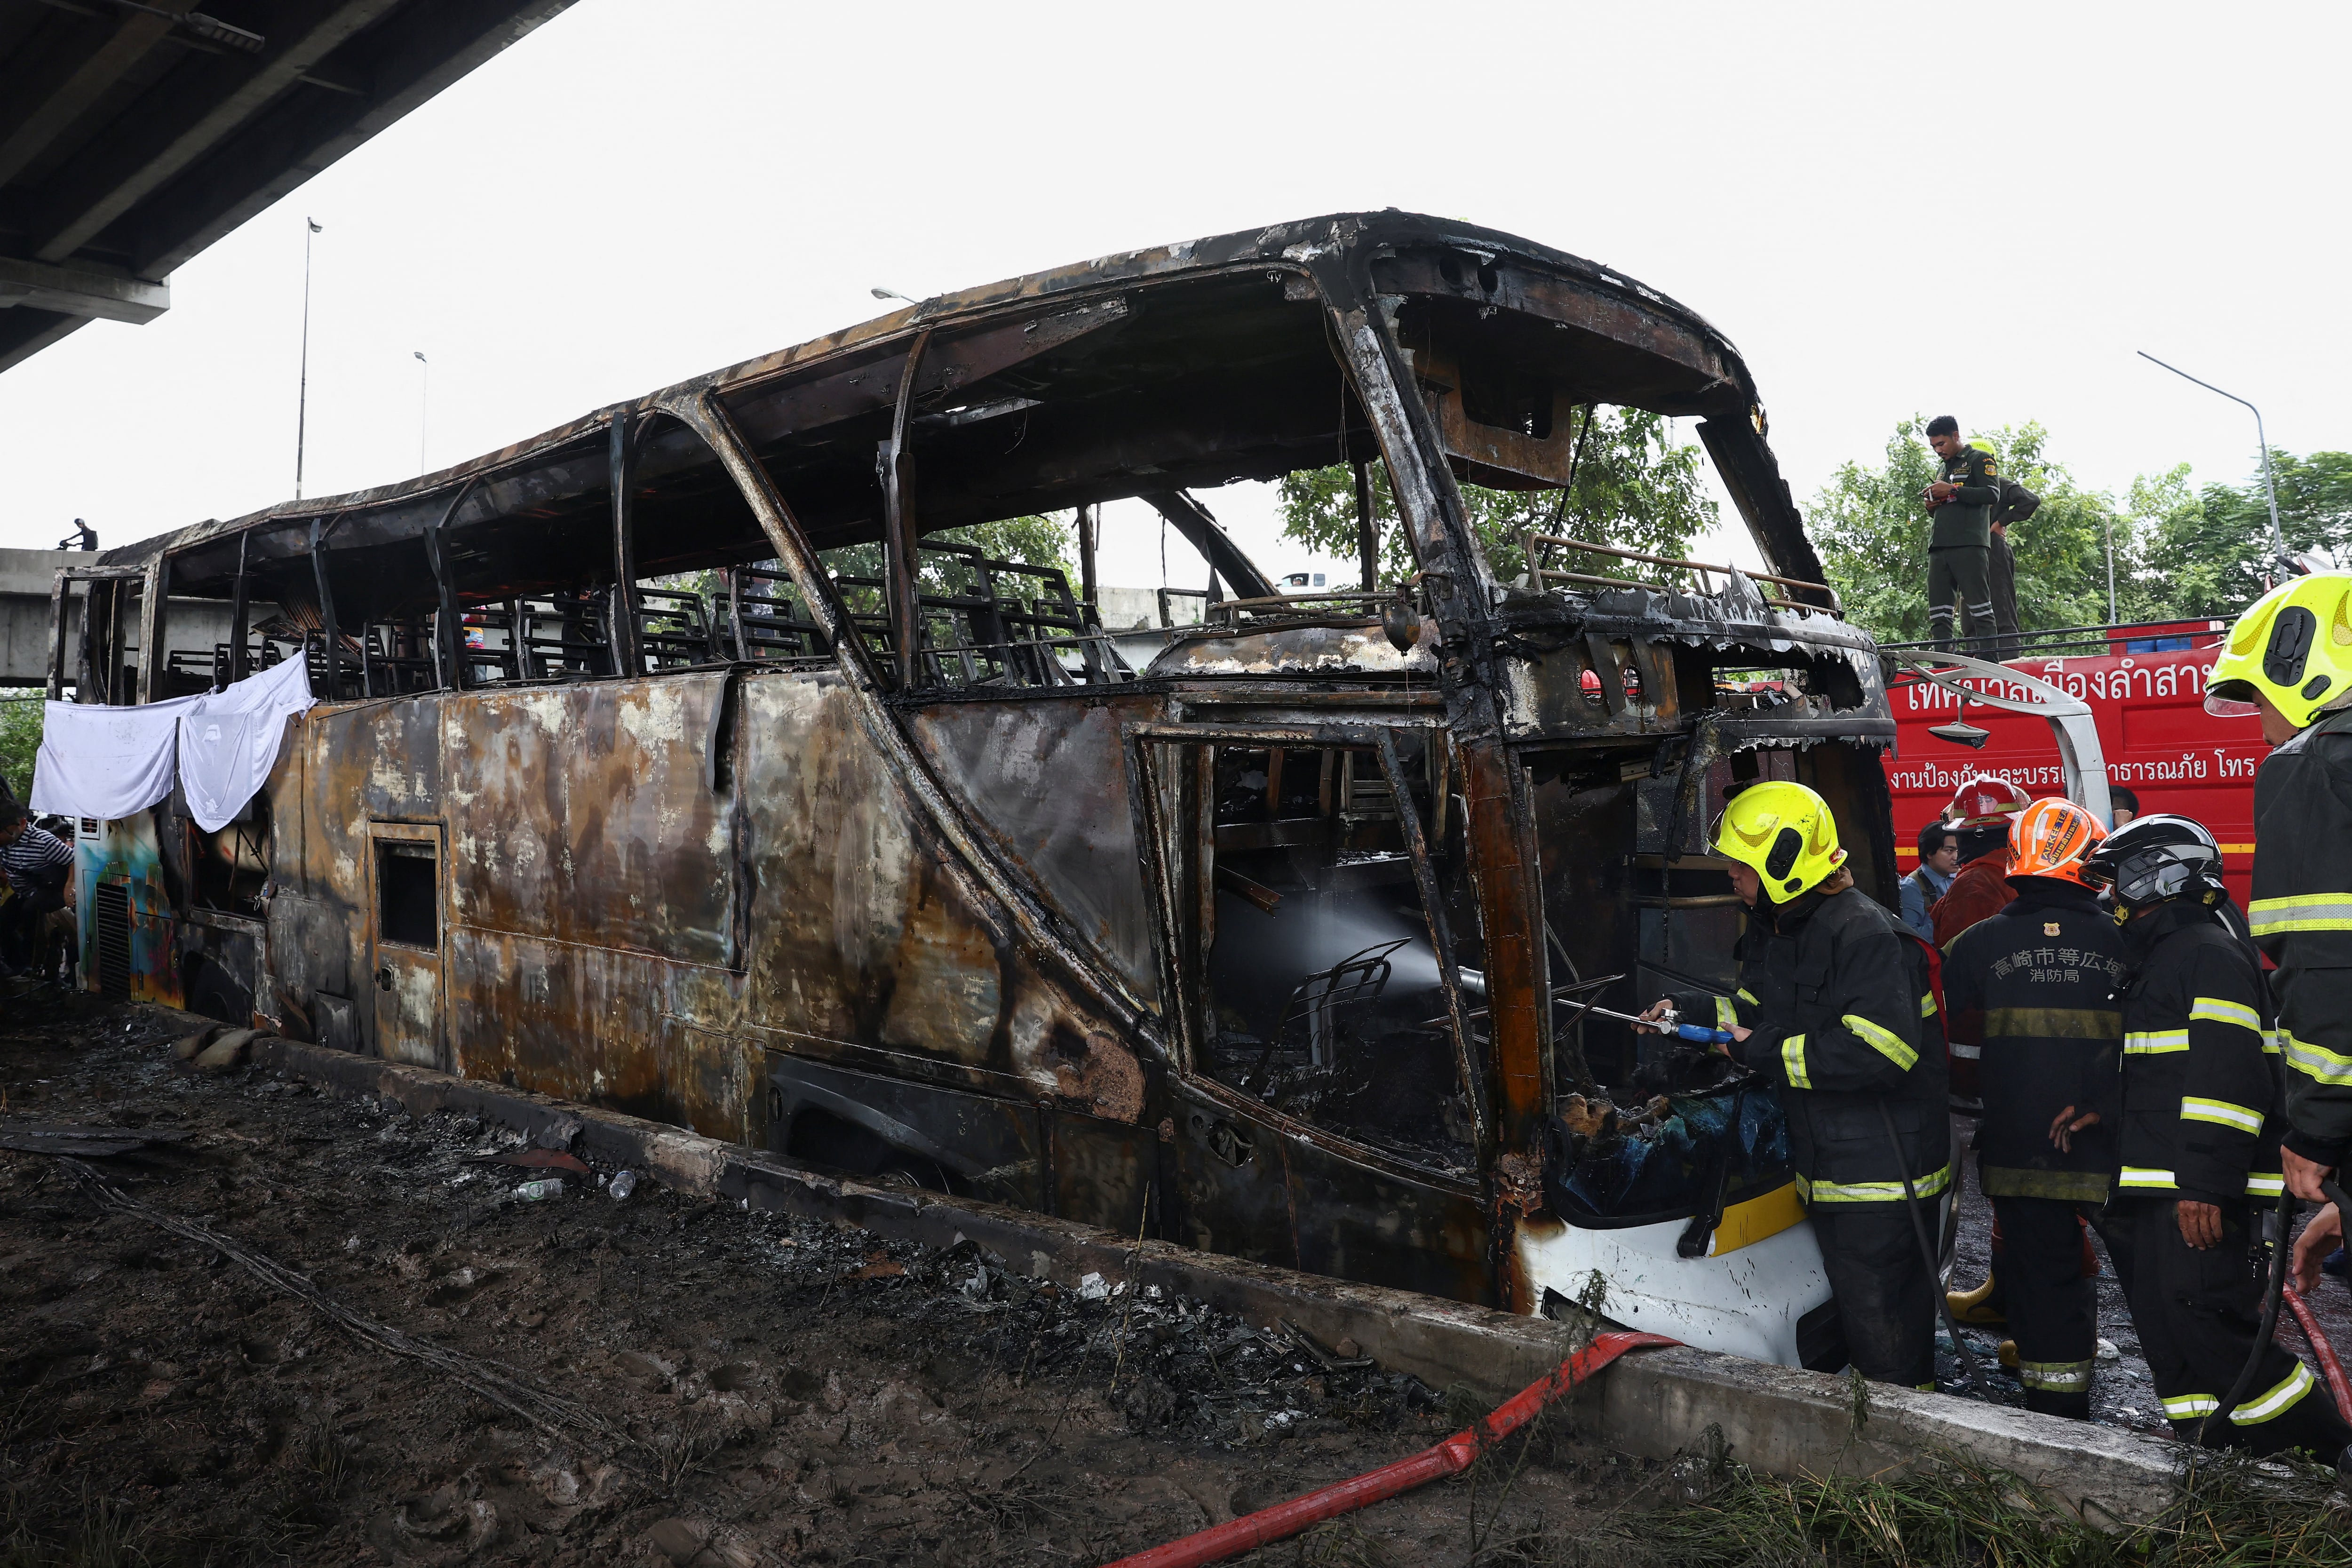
(2229, 1514)
(99, 1534)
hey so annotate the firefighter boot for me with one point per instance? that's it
(1980, 1308)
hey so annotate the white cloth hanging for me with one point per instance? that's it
(229, 740)
(105, 761)
(111, 762)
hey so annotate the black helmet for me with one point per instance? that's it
(2155, 859)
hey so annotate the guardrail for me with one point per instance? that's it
(1541, 573)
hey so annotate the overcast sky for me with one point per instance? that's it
(1980, 209)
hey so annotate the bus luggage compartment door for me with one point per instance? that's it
(405, 942)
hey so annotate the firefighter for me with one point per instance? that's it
(1959, 542)
(2199, 1145)
(1981, 813)
(2034, 987)
(1834, 1004)
(2289, 661)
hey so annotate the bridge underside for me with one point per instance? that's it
(133, 136)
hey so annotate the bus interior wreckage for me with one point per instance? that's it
(692, 760)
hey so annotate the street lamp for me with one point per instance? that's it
(302, 397)
(423, 394)
(2283, 562)
(892, 294)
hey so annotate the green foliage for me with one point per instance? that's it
(20, 738)
(1032, 541)
(2062, 549)
(2209, 549)
(2181, 552)
(1871, 528)
(1634, 486)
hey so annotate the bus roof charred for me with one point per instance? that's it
(753, 782)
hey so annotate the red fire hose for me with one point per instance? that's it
(1451, 1458)
(2329, 1367)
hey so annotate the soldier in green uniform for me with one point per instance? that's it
(1959, 547)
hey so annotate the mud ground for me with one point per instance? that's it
(755, 1389)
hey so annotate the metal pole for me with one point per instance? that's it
(424, 403)
(2278, 535)
(302, 399)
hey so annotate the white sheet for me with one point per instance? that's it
(107, 762)
(112, 763)
(229, 740)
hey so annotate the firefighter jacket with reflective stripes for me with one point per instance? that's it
(2201, 1097)
(1844, 1014)
(2302, 918)
(2035, 987)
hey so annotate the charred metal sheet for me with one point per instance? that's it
(1047, 781)
(1353, 649)
(884, 858)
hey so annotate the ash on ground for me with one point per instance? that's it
(751, 1388)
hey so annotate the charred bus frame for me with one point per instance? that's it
(872, 848)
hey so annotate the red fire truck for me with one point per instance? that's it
(2145, 686)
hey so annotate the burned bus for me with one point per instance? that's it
(691, 760)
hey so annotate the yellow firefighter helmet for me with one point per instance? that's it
(1784, 833)
(2293, 645)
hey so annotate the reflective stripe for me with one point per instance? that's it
(1748, 996)
(1726, 1012)
(1883, 1040)
(2310, 911)
(2070, 1186)
(2157, 1043)
(1964, 1051)
(2270, 1042)
(2055, 1376)
(2221, 1113)
(2285, 1393)
(2316, 1062)
(2214, 1009)
(2188, 1406)
(1927, 1186)
(1928, 1005)
(1792, 1057)
(2055, 1023)
(2145, 1177)
(2265, 1184)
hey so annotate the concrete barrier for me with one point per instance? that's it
(1654, 1403)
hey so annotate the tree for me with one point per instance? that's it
(20, 740)
(1872, 529)
(1034, 541)
(1633, 486)
(2210, 550)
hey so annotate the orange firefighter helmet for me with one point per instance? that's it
(2053, 838)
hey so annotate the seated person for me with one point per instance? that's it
(37, 863)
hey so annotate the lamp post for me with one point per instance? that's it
(302, 397)
(2278, 535)
(424, 399)
(881, 293)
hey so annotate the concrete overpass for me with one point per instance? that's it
(27, 622)
(132, 135)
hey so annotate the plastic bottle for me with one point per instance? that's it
(548, 1187)
(624, 1184)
